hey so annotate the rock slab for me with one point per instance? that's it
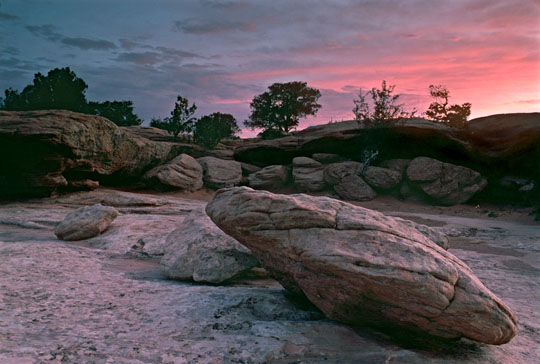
(183, 172)
(86, 222)
(361, 267)
(197, 249)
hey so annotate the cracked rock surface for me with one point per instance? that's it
(361, 267)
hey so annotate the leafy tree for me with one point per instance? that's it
(386, 109)
(119, 112)
(60, 89)
(181, 119)
(210, 129)
(441, 111)
(282, 106)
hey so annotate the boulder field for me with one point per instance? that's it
(361, 267)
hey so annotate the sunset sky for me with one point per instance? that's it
(220, 54)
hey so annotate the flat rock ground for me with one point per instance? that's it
(98, 301)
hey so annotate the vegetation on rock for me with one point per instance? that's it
(61, 89)
(210, 129)
(441, 111)
(282, 106)
(181, 119)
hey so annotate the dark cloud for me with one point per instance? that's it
(48, 31)
(201, 26)
(128, 44)
(6, 16)
(140, 58)
(86, 43)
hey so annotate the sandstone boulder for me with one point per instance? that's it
(382, 178)
(219, 173)
(308, 174)
(445, 183)
(346, 180)
(183, 172)
(398, 165)
(86, 222)
(197, 249)
(361, 267)
(269, 177)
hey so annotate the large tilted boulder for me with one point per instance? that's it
(86, 222)
(183, 172)
(219, 173)
(361, 267)
(269, 177)
(197, 249)
(445, 183)
(346, 180)
(308, 174)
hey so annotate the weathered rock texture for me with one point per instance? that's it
(269, 177)
(183, 172)
(445, 183)
(346, 181)
(308, 174)
(53, 150)
(219, 173)
(361, 267)
(383, 178)
(86, 222)
(197, 249)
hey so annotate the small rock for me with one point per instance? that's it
(197, 249)
(86, 222)
(219, 173)
(308, 174)
(183, 172)
(269, 177)
(382, 178)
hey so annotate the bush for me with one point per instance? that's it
(441, 111)
(210, 129)
(181, 119)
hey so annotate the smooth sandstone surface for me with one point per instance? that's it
(82, 303)
(86, 222)
(361, 267)
(269, 177)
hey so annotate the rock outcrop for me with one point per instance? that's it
(219, 173)
(183, 172)
(444, 183)
(270, 177)
(308, 174)
(55, 150)
(197, 249)
(361, 267)
(86, 222)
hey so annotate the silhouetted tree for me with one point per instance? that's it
(282, 106)
(210, 129)
(60, 89)
(119, 112)
(441, 111)
(181, 119)
(386, 110)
